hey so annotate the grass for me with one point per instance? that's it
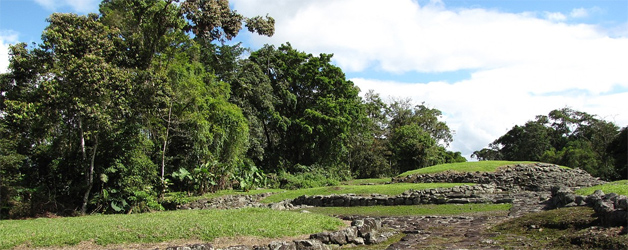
(618, 187)
(463, 167)
(367, 181)
(181, 198)
(563, 228)
(412, 210)
(204, 225)
(389, 189)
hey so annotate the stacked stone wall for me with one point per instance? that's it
(529, 177)
(483, 193)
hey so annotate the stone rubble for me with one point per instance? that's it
(612, 209)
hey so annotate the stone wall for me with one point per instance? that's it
(612, 209)
(530, 177)
(482, 193)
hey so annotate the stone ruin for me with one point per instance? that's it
(529, 177)
(517, 184)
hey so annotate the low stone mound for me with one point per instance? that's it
(483, 193)
(528, 177)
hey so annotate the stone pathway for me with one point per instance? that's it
(441, 232)
(459, 232)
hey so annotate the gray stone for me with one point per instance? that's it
(338, 237)
(621, 203)
(357, 223)
(323, 237)
(241, 247)
(351, 233)
(310, 245)
(282, 245)
(602, 206)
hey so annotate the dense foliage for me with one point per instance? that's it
(566, 137)
(114, 110)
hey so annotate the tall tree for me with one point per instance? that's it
(618, 148)
(84, 85)
(314, 107)
(565, 136)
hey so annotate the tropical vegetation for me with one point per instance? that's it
(115, 111)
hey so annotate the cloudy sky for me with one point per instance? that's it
(487, 64)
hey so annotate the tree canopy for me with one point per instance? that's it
(566, 137)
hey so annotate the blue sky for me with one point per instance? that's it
(488, 65)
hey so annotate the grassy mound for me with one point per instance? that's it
(204, 225)
(463, 167)
(412, 210)
(618, 187)
(389, 189)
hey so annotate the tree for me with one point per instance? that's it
(369, 154)
(402, 113)
(412, 148)
(84, 86)
(156, 40)
(108, 99)
(618, 149)
(487, 154)
(528, 142)
(565, 136)
(313, 108)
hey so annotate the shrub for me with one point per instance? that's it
(309, 177)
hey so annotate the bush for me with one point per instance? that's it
(312, 176)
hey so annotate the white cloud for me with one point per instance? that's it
(555, 16)
(80, 6)
(522, 65)
(579, 13)
(6, 38)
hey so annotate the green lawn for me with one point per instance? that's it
(204, 225)
(388, 189)
(412, 210)
(367, 181)
(481, 166)
(618, 187)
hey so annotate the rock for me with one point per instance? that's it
(357, 223)
(323, 237)
(310, 245)
(282, 245)
(241, 247)
(621, 203)
(351, 234)
(338, 237)
(602, 206)
(192, 247)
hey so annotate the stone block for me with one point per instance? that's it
(351, 233)
(242, 247)
(339, 238)
(310, 245)
(323, 237)
(621, 203)
(282, 245)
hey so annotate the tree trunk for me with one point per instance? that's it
(90, 178)
(163, 151)
(1, 200)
